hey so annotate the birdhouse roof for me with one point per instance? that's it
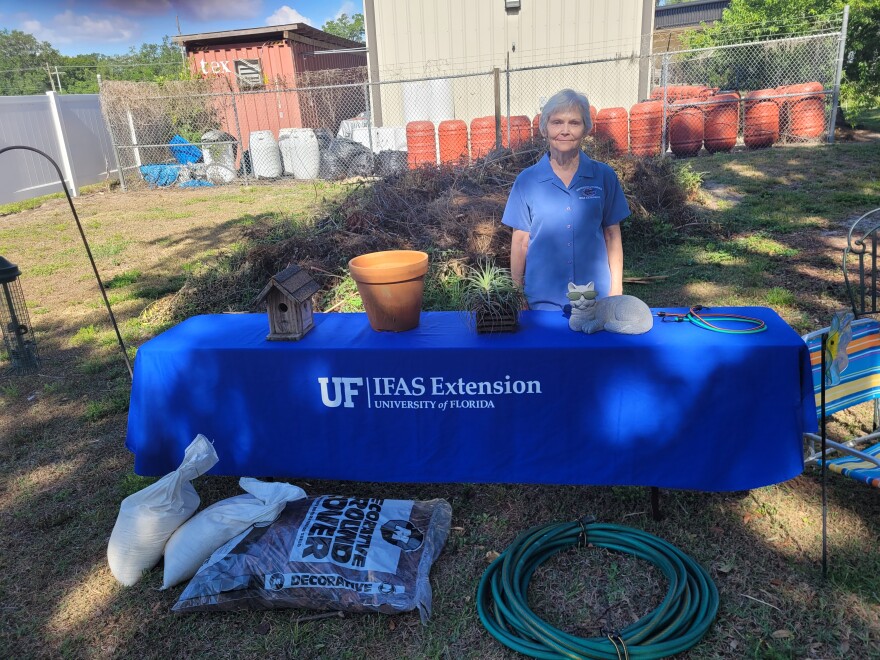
(293, 282)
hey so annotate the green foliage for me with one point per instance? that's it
(489, 292)
(348, 27)
(23, 62)
(751, 20)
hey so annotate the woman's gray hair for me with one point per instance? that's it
(567, 99)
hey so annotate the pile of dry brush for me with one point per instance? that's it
(453, 213)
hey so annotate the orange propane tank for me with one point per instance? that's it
(520, 130)
(686, 127)
(453, 137)
(482, 136)
(761, 119)
(645, 128)
(806, 113)
(721, 122)
(612, 124)
(420, 143)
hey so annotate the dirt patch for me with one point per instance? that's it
(717, 196)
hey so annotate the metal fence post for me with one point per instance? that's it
(507, 75)
(367, 110)
(244, 167)
(664, 72)
(497, 77)
(112, 139)
(835, 97)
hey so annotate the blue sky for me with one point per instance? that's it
(113, 26)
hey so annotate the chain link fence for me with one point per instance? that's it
(334, 124)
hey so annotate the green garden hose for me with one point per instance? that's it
(677, 624)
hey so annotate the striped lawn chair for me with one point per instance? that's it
(859, 383)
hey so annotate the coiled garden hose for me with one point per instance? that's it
(709, 321)
(677, 624)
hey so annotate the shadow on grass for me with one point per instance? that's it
(63, 475)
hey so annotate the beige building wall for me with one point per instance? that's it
(410, 39)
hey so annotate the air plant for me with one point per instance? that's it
(491, 298)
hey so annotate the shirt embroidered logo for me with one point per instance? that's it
(589, 192)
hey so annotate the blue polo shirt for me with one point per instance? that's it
(565, 225)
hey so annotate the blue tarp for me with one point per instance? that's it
(195, 183)
(186, 153)
(159, 175)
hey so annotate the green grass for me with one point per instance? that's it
(36, 202)
(115, 246)
(85, 335)
(867, 119)
(64, 468)
(106, 407)
(123, 279)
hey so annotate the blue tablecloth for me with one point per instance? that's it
(678, 407)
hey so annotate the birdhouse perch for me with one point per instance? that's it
(288, 300)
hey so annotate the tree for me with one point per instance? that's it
(23, 62)
(748, 20)
(349, 27)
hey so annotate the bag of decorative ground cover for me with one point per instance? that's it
(149, 517)
(198, 537)
(328, 553)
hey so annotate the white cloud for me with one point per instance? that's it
(286, 15)
(68, 28)
(204, 10)
(346, 8)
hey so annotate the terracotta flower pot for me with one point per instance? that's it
(391, 285)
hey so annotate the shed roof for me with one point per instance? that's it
(265, 33)
(687, 14)
(292, 281)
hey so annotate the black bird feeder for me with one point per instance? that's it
(17, 335)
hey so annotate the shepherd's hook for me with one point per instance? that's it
(85, 243)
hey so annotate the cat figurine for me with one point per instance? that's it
(626, 315)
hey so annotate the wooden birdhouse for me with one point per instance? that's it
(288, 300)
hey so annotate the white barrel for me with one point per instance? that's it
(218, 151)
(287, 149)
(441, 107)
(299, 152)
(416, 101)
(265, 155)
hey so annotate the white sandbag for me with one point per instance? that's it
(201, 535)
(149, 517)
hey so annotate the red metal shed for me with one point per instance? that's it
(262, 65)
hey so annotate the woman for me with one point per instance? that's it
(565, 212)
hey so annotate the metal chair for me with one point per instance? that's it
(845, 372)
(861, 246)
(858, 383)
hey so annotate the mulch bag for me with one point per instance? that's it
(149, 517)
(198, 537)
(328, 553)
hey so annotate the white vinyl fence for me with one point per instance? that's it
(69, 128)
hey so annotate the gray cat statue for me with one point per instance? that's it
(626, 315)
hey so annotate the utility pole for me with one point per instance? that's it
(49, 73)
